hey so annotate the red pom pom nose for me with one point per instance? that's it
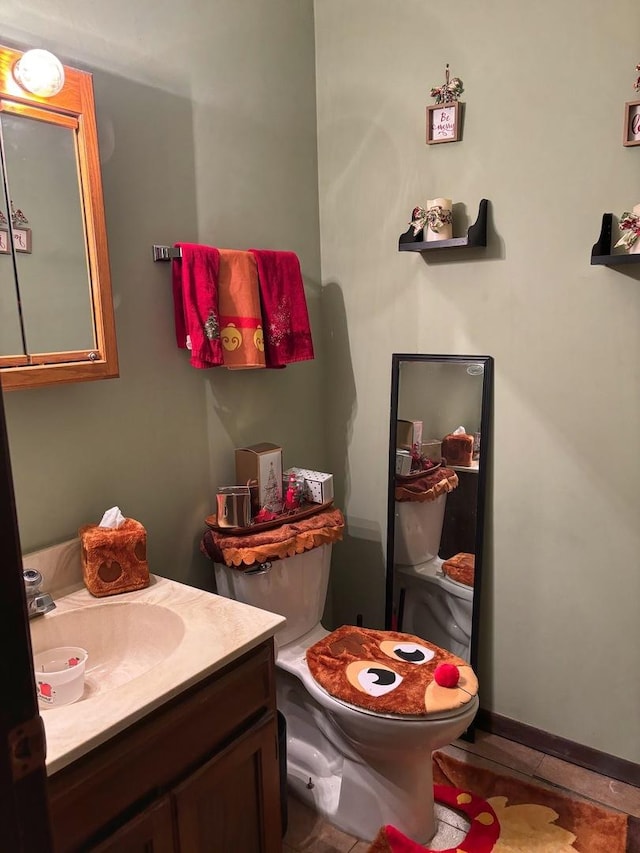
(447, 675)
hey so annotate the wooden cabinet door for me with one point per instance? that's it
(149, 832)
(232, 803)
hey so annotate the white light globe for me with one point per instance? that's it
(40, 73)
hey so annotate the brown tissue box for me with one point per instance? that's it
(458, 449)
(114, 559)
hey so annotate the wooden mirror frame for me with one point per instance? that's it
(483, 464)
(72, 107)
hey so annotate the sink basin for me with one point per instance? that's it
(124, 639)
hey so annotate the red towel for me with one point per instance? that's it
(284, 308)
(195, 303)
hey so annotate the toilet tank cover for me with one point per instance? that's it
(290, 537)
(388, 672)
(427, 486)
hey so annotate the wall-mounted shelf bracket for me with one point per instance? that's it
(601, 251)
(476, 236)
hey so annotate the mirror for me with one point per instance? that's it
(436, 497)
(56, 309)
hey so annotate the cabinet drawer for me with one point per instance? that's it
(160, 749)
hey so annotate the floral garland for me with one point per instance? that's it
(450, 90)
(630, 227)
(435, 217)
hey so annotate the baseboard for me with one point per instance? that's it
(559, 747)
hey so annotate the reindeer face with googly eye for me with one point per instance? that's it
(389, 672)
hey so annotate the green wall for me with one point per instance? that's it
(545, 88)
(207, 129)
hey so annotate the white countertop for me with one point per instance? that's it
(214, 632)
(472, 469)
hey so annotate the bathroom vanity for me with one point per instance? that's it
(174, 744)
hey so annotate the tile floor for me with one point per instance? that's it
(308, 833)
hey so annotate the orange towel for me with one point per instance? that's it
(239, 310)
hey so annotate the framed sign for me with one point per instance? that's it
(21, 240)
(443, 123)
(631, 123)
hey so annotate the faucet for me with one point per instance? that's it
(38, 602)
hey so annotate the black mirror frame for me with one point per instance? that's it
(485, 455)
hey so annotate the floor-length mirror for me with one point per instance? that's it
(438, 456)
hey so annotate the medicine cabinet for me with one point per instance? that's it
(56, 308)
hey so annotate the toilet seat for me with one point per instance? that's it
(431, 572)
(390, 674)
(292, 659)
(410, 718)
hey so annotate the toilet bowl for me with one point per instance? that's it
(432, 605)
(429, 603)
(359, 769)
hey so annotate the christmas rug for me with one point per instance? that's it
(507, 815)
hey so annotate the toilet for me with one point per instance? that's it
(358, 768)
(429, 603)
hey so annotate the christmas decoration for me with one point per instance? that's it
(273, 491)
(435, 217)
(630, 227)
(293, 494)
(450, 90)
(447, 675)
(264, 515)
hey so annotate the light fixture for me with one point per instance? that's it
(475, 368)
(40, 73)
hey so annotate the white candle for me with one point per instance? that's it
(445, 230)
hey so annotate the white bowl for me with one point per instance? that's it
(59, 675)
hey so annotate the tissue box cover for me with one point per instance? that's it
(408, 433)
(318, 486)
(262, 463)
(114, 559)
(457, 449)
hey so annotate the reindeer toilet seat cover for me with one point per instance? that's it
(387, 672)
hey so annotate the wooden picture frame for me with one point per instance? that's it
(631, 134)
(443, 123)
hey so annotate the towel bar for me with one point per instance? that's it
(166, 253)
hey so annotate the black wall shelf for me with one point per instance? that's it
(476, 236)
(601, 251)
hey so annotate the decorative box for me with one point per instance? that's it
(408, 434)
(432, 449)
(403, 462)
(318, 487)
(262, 463)
(114, 559)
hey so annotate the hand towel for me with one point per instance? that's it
(195, 303)
(240, 317)
(284, 308)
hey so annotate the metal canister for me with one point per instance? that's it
(233, 506)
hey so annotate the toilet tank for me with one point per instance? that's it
(418, 530)
(295, 587)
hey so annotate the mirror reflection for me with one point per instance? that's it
(437, 474)
(11, 338)
(51, 258)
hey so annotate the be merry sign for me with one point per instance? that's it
(442, 123)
